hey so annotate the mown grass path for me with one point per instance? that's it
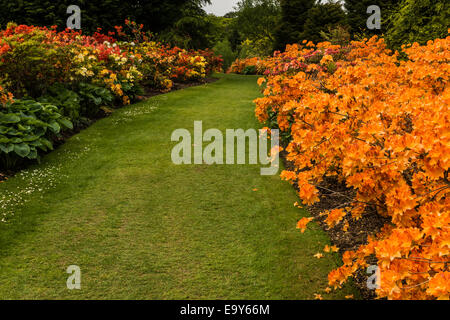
(141, 227)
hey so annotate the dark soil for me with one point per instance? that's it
(335, 194)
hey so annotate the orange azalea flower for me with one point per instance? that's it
(303, 223)
(379, 124)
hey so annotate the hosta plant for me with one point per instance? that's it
(27, 128)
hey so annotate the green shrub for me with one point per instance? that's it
(223, 48)
(92, 98)
(338, 35)
(32, 64)
(27, 127)
(255, 48)
(322, 17)
(67, 101)
(250, 70)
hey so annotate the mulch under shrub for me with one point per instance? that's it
(334, 194)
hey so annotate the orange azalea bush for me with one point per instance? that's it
(381, 125)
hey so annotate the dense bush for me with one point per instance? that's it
(294, 14)
(418, 21)
(379, 124)
(32, 62)
(357, 15)
(224, 49)
(79, 74)
(155, 14)
(5, 96)
(248, 66)
(320, 18)
(255, 48)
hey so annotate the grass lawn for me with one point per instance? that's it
(111, 201)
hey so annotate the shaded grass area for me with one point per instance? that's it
(140, 227)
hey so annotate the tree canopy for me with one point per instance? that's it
(294, 14)
(357, 14)
(321, 18)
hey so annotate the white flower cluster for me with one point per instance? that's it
(36, 181)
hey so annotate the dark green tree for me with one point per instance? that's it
(192, 30)
(294, 14)
(357, 14)
(224, 49)
(156, 15)
(321, 18)
(256, 20)
(419, 21)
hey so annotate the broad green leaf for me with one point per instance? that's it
(22, 149)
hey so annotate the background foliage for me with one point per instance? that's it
(418, 21)
(154, 14)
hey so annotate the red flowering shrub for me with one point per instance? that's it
(47, 57)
